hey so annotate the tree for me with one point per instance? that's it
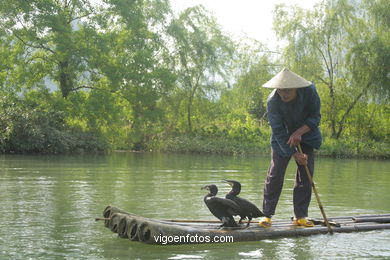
(369, 55)
(201, 53)
(50, 33)
(252, 68)
(114, 46)
(131, 58)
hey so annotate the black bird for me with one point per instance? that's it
(222, 208)
(247, 208)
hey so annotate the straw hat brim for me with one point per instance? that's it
(287, 79)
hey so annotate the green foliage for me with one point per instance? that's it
(352, 147)
(210, 139)
(369, 57)
(47, 30)
(120, 74)
(252, 68)
(201, 55)
(29, 129)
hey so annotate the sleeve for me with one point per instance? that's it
(314, 105)
(279, 129)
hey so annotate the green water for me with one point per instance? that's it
(48, 205)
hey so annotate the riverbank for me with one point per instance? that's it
(200, 144)
(341, 148)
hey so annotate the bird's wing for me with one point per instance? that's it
(248, 206)
(228, 204)
(213, 207)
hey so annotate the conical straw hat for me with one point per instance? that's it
(287, 79)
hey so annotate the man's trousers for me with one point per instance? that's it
(274, 184)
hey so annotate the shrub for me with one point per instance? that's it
(27, 129)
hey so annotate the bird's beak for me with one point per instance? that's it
(205, 187)
(228, 182)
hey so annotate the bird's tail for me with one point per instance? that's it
(258, 213)
(229, 222)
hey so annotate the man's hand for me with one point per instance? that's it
(294, 139)
(300, 158)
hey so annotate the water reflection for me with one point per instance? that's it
(49, 203)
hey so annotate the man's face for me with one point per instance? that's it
(287, 94)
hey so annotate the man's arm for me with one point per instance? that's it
(296, 137)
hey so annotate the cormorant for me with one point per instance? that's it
(247, 208)
(222, 208)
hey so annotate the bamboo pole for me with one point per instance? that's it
(316, 194)
(381, 219)
(97, 219)
(199, 221)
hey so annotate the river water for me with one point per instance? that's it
(48, 205)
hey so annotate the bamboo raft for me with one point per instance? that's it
(152, 231)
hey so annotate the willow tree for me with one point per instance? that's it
(201, 55)
(368, 61)
(369, 55)
(252, 67)
(324, 44)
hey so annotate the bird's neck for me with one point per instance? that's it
(230, 195)
(234, 192)
(210, 195)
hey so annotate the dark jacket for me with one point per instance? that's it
(285, 118)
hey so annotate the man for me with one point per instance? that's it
(293, 110)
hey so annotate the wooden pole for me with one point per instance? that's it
(200, 221)
(97, 219)
(372, 219)
(316, 194)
